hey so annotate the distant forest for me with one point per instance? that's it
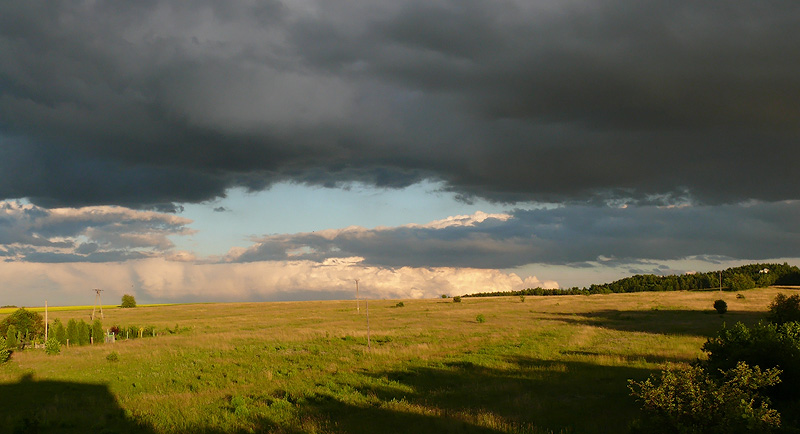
(733, 279)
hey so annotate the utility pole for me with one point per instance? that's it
(369, 344)
(720, 281)
(97, 302)
(358, 303)
(45, 321)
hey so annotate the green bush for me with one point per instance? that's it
(480, 318)
(98, 336)
(400, 304)
(11, 337)
(740, 296)
(457, 299)
(72, 332)
(445, 296)
(83, 333)
(784, 309)
(721, 306)
(691, 401)
(112, 357)
(132, 332)
(5, 351)
(128, 301)
(52, 346)
(59, 332)
(522, 298)
(29, 324)
(766, 345)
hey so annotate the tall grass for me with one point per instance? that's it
(551, 364)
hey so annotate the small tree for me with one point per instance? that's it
(457, 299)
(52, 347)
(784, 309)
(83, 333)
(59, 332)
(5, 351)
(11, 337)
(72, 332)
(29, 323)
(97, 332)
(721, 306)
(128, 301)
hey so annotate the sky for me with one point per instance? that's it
(278, 150)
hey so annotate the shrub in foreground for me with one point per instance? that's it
(480, 318)
(766, 345)
(5, 352)
(721, 306)
(692, 401)
(52, 346)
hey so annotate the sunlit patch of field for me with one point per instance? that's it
(548, 364)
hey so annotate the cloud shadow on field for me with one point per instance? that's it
(525, 395)
(660, 320)
(31, 406)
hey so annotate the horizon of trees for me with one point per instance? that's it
(733, 279)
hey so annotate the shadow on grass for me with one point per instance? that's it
(527, 396)
(701, 323)
(30, 406)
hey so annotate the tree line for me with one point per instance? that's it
(732, 279)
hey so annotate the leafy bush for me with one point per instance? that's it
(457, 299)
(766, 345)
(98, 336)
(132, 332)
(128, 301)
(83, 333)
(400, 304)
(480, 318)
(29, 324)
(740, 296)
(112, 357)
(59, 332)
(522, 299)
(11, 337)
(5, 351)
(691, 401)
(784, 309)
(445, 296)
(52, 346)
(721, 306)
(72, 332)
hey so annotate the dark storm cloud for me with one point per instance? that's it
(576, 236)
(148, 103)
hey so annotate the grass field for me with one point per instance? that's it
(545, 365)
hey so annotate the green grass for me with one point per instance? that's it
(548, 365)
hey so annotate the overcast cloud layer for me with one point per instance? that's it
(625, 132)
(154, 102)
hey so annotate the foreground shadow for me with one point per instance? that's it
(526, 395)
(30, 407)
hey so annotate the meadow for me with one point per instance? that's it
(556, 364)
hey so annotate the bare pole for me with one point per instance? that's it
(720, 281)
(358, 303)
(45, 321)
(369, 344)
